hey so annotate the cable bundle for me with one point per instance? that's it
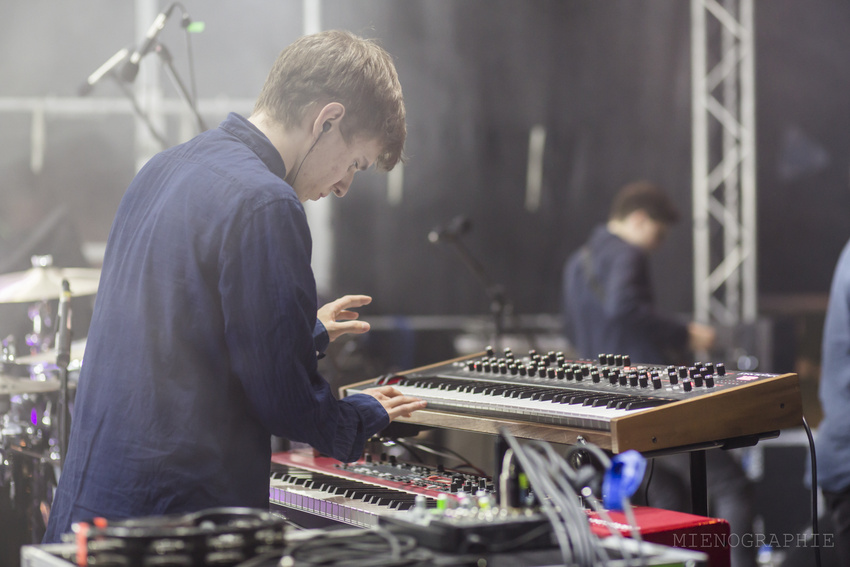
(558, 489)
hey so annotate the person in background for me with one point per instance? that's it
(833, 435)
(205, 336)
(608, 299)
(609, 307)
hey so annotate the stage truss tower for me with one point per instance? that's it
(724, 161)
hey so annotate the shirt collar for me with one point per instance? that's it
(259, 143)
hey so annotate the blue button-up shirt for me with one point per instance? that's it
(833, 437)
(202, 341)
(609, 305)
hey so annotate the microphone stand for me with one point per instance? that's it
(168, 61)
(495, 292)
(63, 358)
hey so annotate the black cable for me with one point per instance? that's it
(189, 54)
(648, 480)
(364, 548)
(139, 112)
(815, 533)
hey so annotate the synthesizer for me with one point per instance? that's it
(611, 402)
(321, 491)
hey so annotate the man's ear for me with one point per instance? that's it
(328, 118)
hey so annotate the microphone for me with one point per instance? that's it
(459, 226)
(131, 68)
(110, 64)
(63, 336)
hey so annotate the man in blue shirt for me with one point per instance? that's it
(608, 300)
(833, 438)
(205, 334)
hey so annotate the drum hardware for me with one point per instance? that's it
(44, 282)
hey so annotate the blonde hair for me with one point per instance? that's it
(338, 66)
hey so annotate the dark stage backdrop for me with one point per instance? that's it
(610, 82)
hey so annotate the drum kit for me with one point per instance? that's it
(33, 387)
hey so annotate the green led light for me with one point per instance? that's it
(195, 27)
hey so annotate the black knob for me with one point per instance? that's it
(683, 372)
(612, 378)
(692, 371)
(551, 355)
(578, 376)
(623, 379)
(618, 360)
(720, 368)
(709, 381)
(686, 385)
(633, 380)
(550, 372)
(486, 366)
(523, 371)
(470, 365)
(513, 369)
(508, 352)
(542, 372)
(595, 377)
(560, 373)
(503, 368)
(698, 380)
(627, 360)
(656, 383)
(585, 371)
(490, 351)
(644, 381)
(609, 359)
(603, 359)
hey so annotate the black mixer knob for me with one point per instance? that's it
(633, 380)
(595, 377)
(490, 351)
(508, 353)
(552, 355)
(709, 367)
(618, 360)
(686, 385)
(609, 359)
(692, 371)
(486, 366)
(513, 369)
(503, 368)
(644, 381)
(624, 379)
(560, 373)
(585, 370)
(627, 360)
(720, 369)
(542, 372)
(656, 383)
(523, 371)
(698, 380)
(709, 381)
(603, 359)
(550, 372)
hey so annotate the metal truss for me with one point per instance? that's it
(724, 161)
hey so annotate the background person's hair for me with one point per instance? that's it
(646, 196)
(338, 66)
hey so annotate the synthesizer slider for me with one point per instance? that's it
(611, 402)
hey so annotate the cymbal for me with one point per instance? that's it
(78, 348)
(45, 282)
(11, 386)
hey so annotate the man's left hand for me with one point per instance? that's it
(339, 320)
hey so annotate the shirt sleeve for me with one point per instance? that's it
(269, 301)
(321, 338)
(628, 298)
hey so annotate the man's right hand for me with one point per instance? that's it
(701, 337)
(396, 403)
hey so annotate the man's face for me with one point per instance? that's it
(331, 165)
(650, 233)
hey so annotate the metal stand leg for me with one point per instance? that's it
(699, 484)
